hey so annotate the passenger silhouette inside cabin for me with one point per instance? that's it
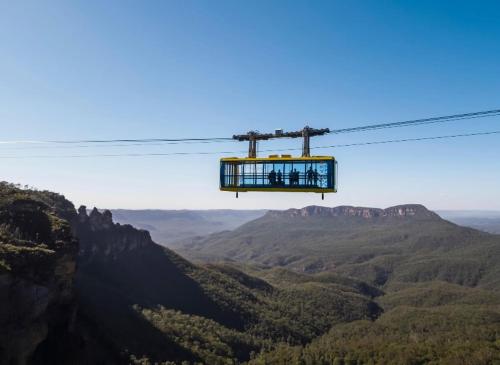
(280, 177)
(310, 175)
(272, 177)
(293, 177)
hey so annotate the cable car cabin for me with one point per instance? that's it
(317, 174)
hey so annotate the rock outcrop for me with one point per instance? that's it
(101, 238)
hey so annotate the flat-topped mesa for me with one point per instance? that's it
(407, 210)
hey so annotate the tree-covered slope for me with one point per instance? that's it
(148, 301)
(431, 323)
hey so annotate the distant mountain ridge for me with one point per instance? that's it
(406, 210)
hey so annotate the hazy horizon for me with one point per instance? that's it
(461, 211)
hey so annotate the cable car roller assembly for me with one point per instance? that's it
(279, 173)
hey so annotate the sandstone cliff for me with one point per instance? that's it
(102, 239)
(401, 211)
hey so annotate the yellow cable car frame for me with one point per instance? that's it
(306, 174)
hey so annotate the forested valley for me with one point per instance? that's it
(316, 285)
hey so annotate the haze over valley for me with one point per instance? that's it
(170, 226)
(488, 221)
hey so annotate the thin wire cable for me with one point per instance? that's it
(415, 122)
(102, 141)
(273, 150)
(58, 146)
(145, 140)
(407, 140)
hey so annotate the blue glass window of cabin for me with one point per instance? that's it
(293, 174)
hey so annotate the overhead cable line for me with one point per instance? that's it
(145, 140)
(415, 122)
(73, 146)
(399, 140)
(370, 127)
(103, 141)
(271, 150)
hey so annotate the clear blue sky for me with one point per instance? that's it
(135, 69)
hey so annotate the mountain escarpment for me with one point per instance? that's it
(37, 265)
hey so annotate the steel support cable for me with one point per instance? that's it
(103, 141)
(71, 146)
(272, 150)
(415, 122)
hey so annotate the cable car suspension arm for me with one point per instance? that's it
(306, 133)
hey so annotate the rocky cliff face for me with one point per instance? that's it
(37, 263)
(102, 239)
(121, 269)
(409, 210)
(40, 304)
